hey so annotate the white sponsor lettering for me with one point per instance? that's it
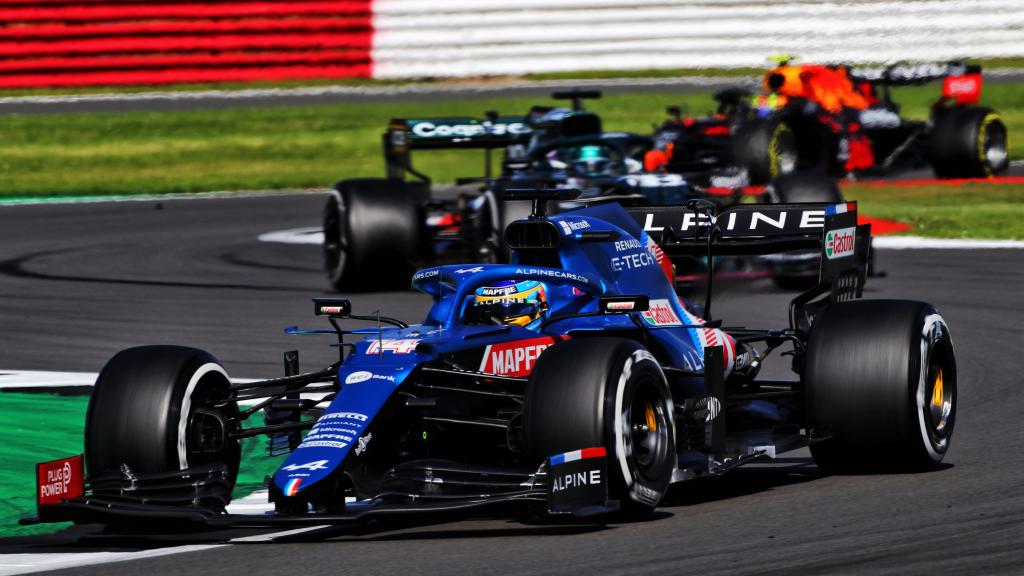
(570, 226)
(57, 481)
(432, 130)
(632, 261)
(473, 270)
(345, 416)
(812, 219)
(553, 274)
(323, 444)
(620, 306)
(578, 479)
(625, 245)
(362, 444)
(757, 216)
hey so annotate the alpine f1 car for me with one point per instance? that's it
(842, 121)
(571, 382)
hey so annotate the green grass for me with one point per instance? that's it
(41, 427)
(314, 146)
(967, 211)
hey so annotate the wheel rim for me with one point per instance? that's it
(994, 145)
(940, 405)
(649, 430)
(782, 151)
(335, 238)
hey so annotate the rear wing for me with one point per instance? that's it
(960, 82)
(697, 230)
(449, 133)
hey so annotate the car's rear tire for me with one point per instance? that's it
(766, 148)
(880, 377)
(371, 234)
(796, 187)
(969, 142)
(159, 409)
(607, 392)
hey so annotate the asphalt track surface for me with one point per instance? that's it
(80, 282)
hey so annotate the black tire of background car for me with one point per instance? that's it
(766, 147)
(143, 412)
(809, 186)
(880, 377)
(372, 229)
(969, 142)
(571, 404)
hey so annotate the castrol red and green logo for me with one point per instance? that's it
(839, 243)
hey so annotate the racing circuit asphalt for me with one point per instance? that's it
(78, 282)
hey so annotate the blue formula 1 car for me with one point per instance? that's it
(572, 381)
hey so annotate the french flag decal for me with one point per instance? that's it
(292, 487)
(842, 208)
(578, 455)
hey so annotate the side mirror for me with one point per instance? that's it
(623, 304)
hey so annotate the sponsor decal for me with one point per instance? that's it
(840, 243)
(59, 480)
(570, 226)
(311, 466)
(363, 376)
(357, 377)
(474, 270)
(620, 306)
(426, 274)
(499, 290)
(576, 479)
(362, 443)
(749, 222)
(661, 313)
(345, 416)
(514, 358)
(638, 259)
(428, 129)
(553, 274)
(401, 346)
(332, 309)
(292, 487)
(626, 245)
(323, 444)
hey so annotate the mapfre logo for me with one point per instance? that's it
(514, 358)
(840, 243)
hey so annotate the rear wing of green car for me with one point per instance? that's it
(449, 133)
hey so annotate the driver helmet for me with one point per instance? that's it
(591, 160)
(512, 302)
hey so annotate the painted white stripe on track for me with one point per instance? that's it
(920, 243)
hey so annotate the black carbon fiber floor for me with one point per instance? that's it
(79, 282)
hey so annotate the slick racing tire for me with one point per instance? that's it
(799, 271)
(607, 392)
(880, 378)
(159, 409)
(969, 142)
(766, 148)
(371, 234)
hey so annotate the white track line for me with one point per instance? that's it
(315, 236)
(158, 197)
(27, 563)
(40, 380)
(920, 243)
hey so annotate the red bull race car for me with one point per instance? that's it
(840, 120)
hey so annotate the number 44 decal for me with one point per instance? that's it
(318, 465)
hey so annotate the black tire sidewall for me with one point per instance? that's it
(866, 380)
(142, 399)
(577, 398)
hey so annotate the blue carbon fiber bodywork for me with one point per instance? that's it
(383, 361)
